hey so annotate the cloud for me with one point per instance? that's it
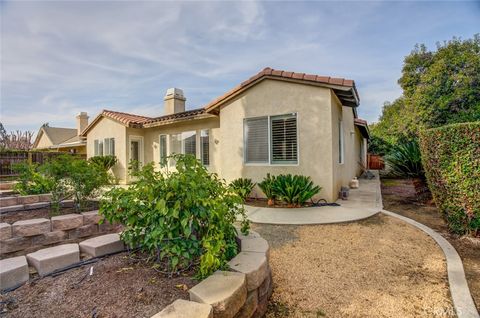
(59, 58)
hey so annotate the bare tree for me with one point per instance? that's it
(18, 140)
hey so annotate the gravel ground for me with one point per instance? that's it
(379, 267)
(399, 196)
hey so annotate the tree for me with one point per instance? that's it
(18, 140)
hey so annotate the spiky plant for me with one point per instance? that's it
(405, 160)
(243, 187)
(294, 190)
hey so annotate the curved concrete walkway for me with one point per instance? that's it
(361, 204)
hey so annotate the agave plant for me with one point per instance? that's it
(267, 187)
(294, 190)
(243, 187)
(405, 160)
(105, 162)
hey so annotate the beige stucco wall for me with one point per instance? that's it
(350, 168)
(44, 142)
(271, 97)
(108, 128)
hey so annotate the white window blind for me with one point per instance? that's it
(98, 147)
(95, 147)
(175, 146)
(109, 145)
(284, 139)
(204, 147)
(189, 143)
(256, 140)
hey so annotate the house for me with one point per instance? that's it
(63, 139)
(276, 122)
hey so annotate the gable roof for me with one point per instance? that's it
(56, 135)
(345, 89)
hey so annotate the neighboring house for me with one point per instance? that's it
(63, 139)
(275, 122)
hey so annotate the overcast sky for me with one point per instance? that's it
(62, 57)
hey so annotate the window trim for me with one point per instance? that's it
(269, 163)
(200, 157)
(341, 143)
(160, 146)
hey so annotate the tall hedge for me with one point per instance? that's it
(451, 159)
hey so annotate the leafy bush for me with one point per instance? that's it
(451, 157)
(180, 218)
(405, 160)
(243, 187)
(294, 190)
(104, 162)
(267, 187)
(31, 181)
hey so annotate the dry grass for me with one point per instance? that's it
(380, 267)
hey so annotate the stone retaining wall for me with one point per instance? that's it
(241, 292)
(26, 236)
(24, 202)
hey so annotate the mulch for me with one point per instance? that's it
(120, 286)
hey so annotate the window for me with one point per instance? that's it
(185, 143)
(109, 144)
(271, 139)
(98, 147)
(163, 147)
(341, 150)
(256, 140)
(284, 139)
(204, 147)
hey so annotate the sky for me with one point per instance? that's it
(59, 58)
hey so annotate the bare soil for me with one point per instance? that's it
(378, 267)
(14, 216)
(119, 287)
(261, 202)
(399, 196)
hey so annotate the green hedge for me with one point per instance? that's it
(451, 159)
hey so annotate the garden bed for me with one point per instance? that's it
(44, 212)
(263, 203)
(399, 196)
(120, 286)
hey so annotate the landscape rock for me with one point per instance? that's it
(50, 238)
(226, 292)
(31, 227)
(254, 265)
(67, 221)
(83, 231)
(181, 308)
(5, 231)
(91, 217)
(255, 244)
(9, 201)
(50, 259)
(28, 199)
(102, 245)
(14, 244)
(250, 305)
(13, 272)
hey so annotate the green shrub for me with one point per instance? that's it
(243, 187)
(104, 162)
(180, 218)
(405, 160)
(30, 181)
(294, 190)
(267, 187)
(451, 157)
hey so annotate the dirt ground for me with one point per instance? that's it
(119, 287)
(379, 267)
(399, 197)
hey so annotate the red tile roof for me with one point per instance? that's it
(279, 74)
(126, 118)
(186, 115)
(360, 121)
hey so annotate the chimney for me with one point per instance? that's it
(82, 122)
(174, 101)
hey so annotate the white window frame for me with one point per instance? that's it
(141, 149)
(269, 163)
(200, 148)
(167, 146)
(109, 147)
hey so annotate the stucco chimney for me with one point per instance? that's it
(174, 101)
(82, 122)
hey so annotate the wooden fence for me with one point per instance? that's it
(375, 162)
(8, 159)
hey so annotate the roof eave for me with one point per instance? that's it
(178, 120)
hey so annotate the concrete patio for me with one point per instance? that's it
(362, 203)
